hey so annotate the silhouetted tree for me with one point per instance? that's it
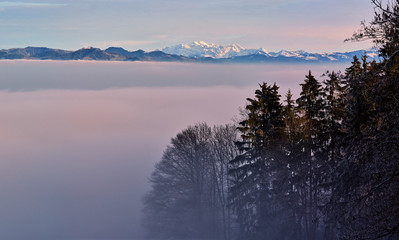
(312, 110)
(383, 29)
(190, 185)
(368, 188)
(259, 166)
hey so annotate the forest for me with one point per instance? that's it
(322, 166)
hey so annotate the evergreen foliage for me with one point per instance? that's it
(258, 164)
(323, 167)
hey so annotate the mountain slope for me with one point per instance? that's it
(203, 49)
(110, 54)
(194, 52)
(234, 52)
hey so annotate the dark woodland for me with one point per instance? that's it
(322, 166)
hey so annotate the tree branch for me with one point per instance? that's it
(378, 4)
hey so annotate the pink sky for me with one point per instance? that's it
(311, 25)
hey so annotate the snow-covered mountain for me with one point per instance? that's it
(236, 52)
(203, 49)
(193, 52)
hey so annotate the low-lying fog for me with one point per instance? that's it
(78, 139)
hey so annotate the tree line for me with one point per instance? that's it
(322, 166)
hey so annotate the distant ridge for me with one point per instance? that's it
(193, 52)
(110, 54)
(236, 52)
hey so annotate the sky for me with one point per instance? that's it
(310, 25)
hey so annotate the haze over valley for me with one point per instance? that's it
(199, 120)
(80, 138)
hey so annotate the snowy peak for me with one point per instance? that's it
(193, 52)
(200, 49)
(203, 49)
(202, 44)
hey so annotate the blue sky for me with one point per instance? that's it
(311, 25)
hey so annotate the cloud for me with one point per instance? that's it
(29, 4)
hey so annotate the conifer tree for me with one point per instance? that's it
(294, 158)
(259, 164)
(289, 113)
(311, 107)
(333, 133)
(376, 152)
(334, 114)
(364, 195)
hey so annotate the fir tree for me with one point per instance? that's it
(258, 166)
(294, 158)
(311, 107)
(334, 92)
(334, 114)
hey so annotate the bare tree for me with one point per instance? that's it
(188, 199)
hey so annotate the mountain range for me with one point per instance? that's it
(194, 52)
(236, 52)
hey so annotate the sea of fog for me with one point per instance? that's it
(79, 139)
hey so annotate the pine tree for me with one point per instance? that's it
(289, 113)
(377, 144)
(294, 158)
(365, 195)
(333, 132)
(311, 107)
(258, 166)
(335, 112)
(356, 108)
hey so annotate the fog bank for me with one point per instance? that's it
(80, 139)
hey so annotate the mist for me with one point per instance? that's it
(30, 75)
(79, 139)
